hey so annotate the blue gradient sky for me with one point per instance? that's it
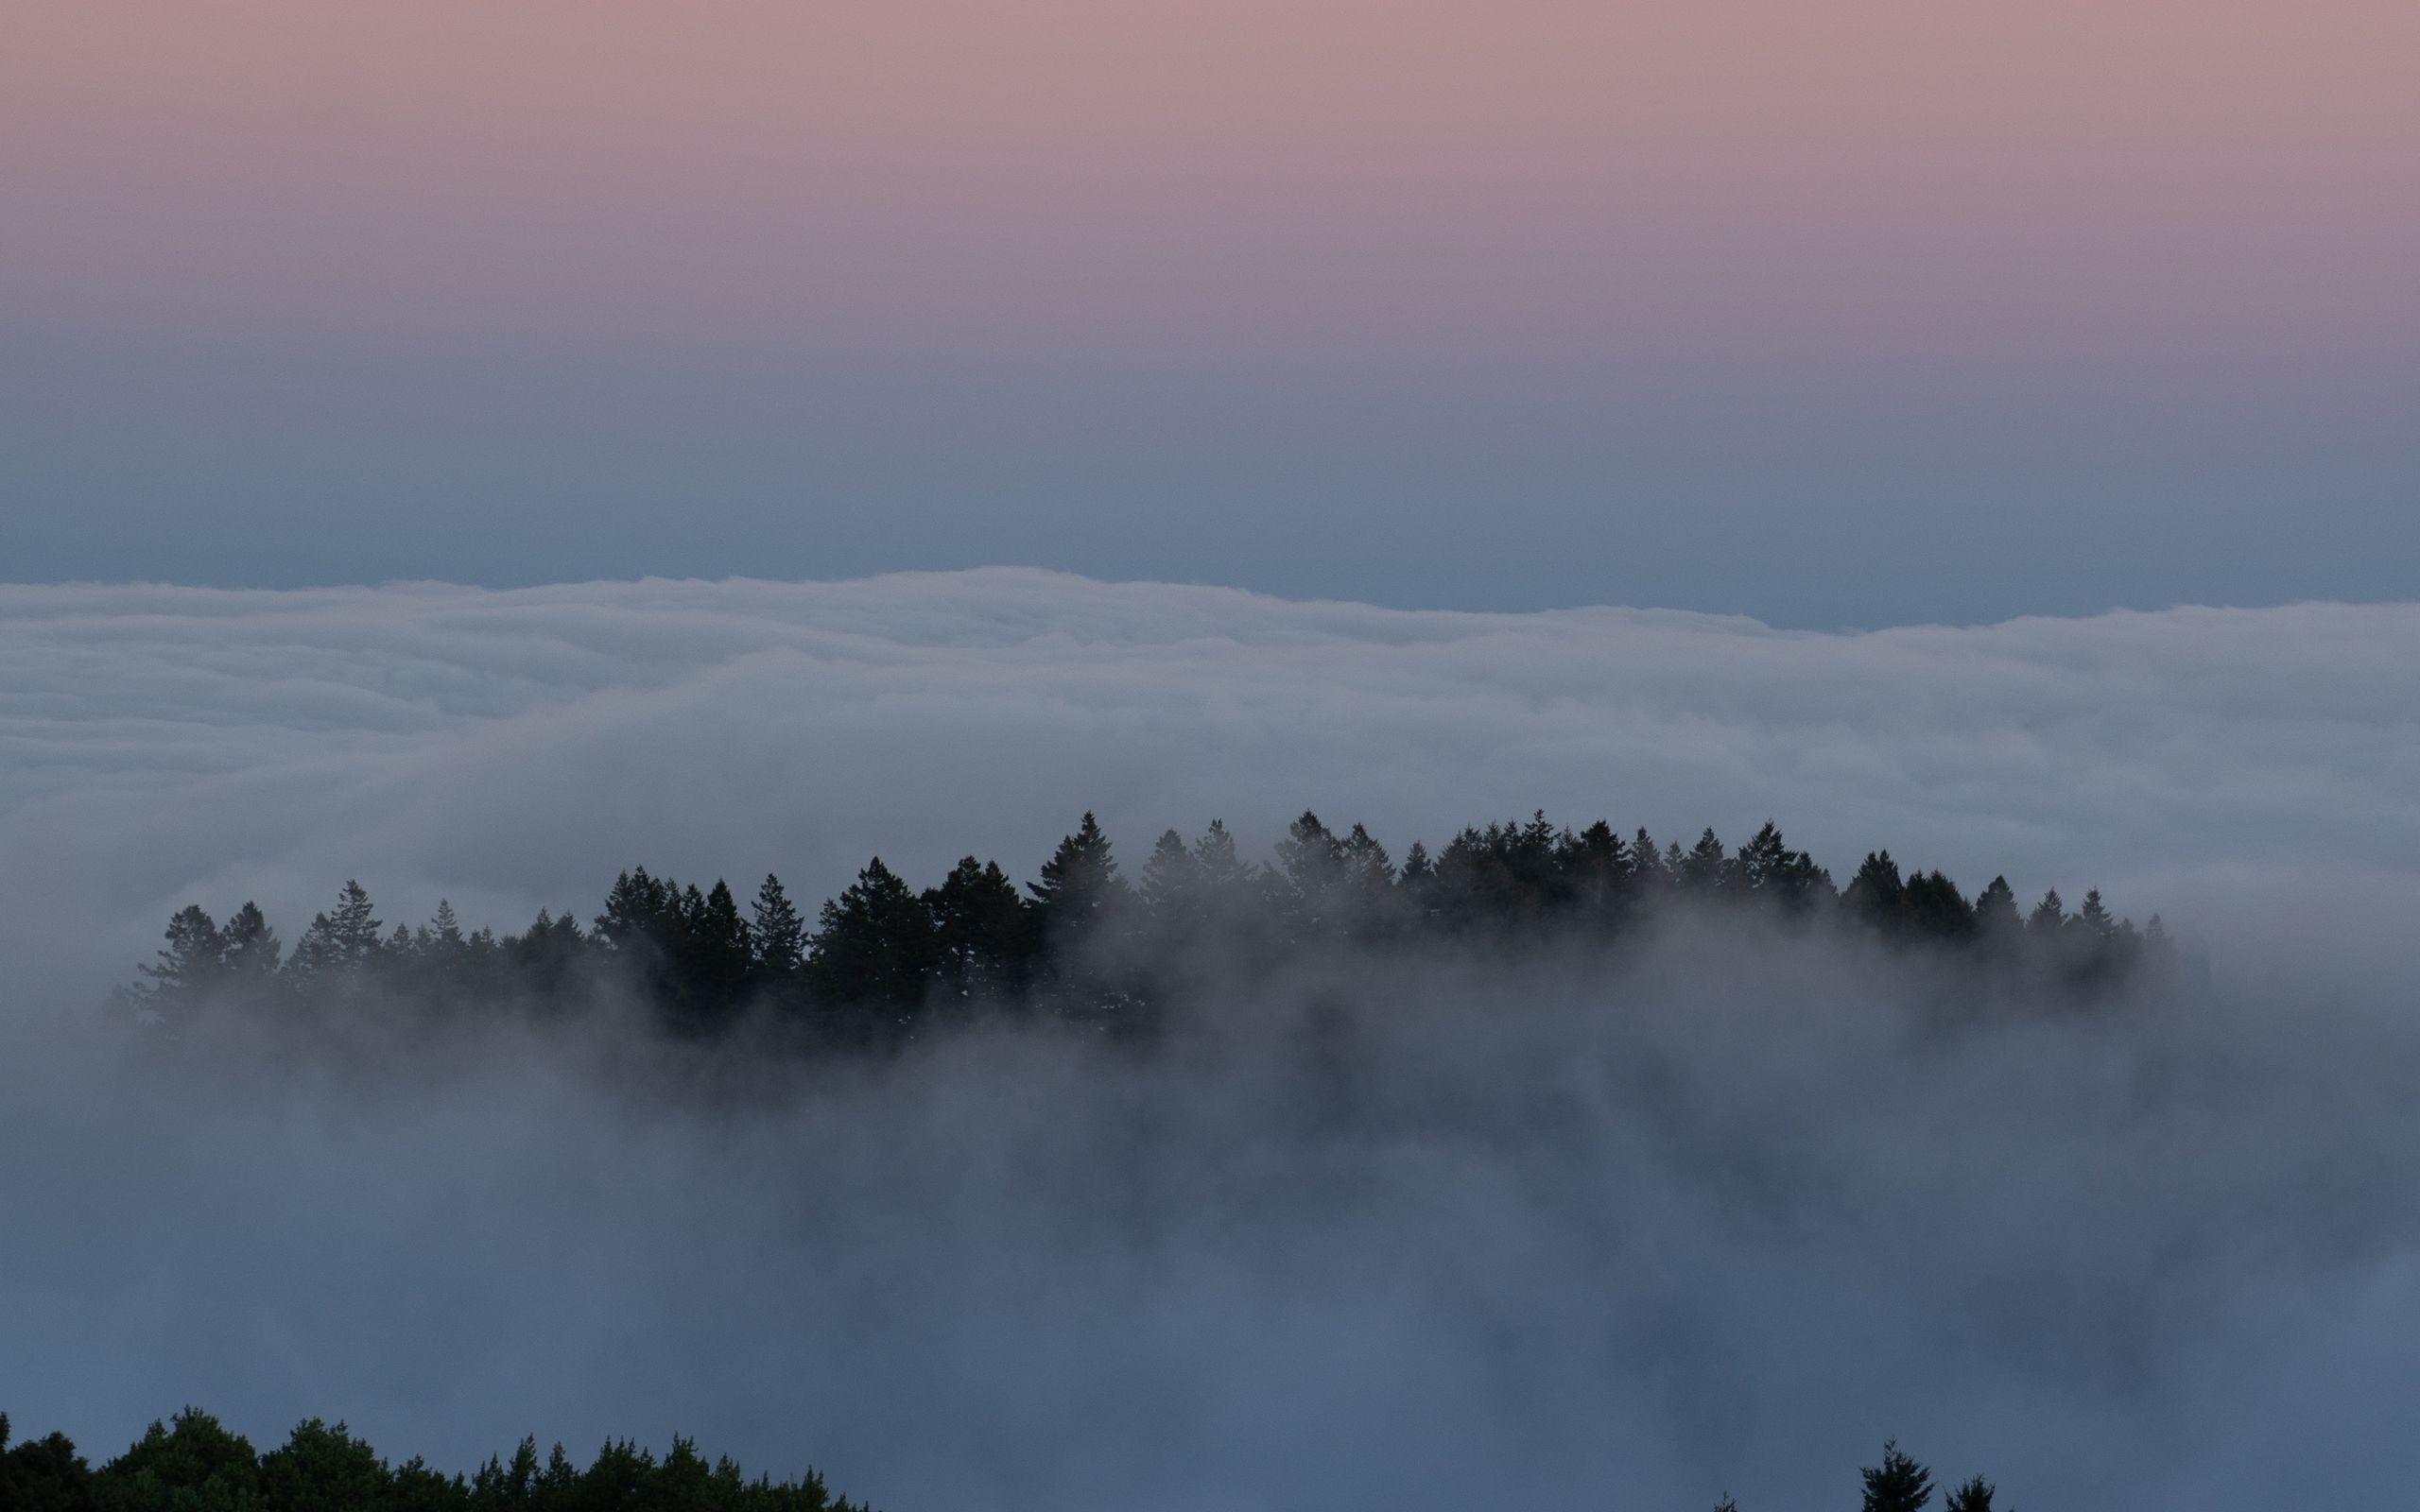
(1896, 313)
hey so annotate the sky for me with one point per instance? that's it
(1843, 316)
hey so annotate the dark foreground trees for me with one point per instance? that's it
(1083, 942)
(192, 1464)
(1901, 1484)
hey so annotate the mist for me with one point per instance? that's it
(1715, 1212)
(1720, 1212)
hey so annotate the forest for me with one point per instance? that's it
(192, 1464)
(1085, 942)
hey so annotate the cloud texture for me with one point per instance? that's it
(1420, 1233)
(513, 750)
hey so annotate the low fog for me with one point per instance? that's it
(1718, 1213)
(1715, 1212)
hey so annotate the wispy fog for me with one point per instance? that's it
(1720, 1214)
(1718, 1211)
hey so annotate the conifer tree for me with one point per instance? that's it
(1307, 885)
(1223, 879)
(2048, 918)
(1646, 863)
(1995, 920)
(1933, 908)
(874, 946)
(342, 944)
(1704, 869)
(1369, 870)
(2095, 915)
(1876, 893)
(982, 931)
(1975, 1496)
(1896, 1485)
(1596, 866)
(252, 951)
(779, 936)
(1079, 895)
(1170, 889)
(719, 957)
(191, 964)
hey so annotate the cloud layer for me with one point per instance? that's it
(1417, 1233)
(513, 750)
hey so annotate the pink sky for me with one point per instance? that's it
(2146, 182)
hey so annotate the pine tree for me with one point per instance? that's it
(874, 947)
(719, 956)
(1771, 872)
(342, 945)
(1996, 920)
(1596, 867)
(1975, 1496)
(252, 952)
(1934, 908)
(1222, 878)
(981, 930)
(1896, 1485)
(1170, 887)
(1369, 875)
(1874, 895)
(2048, 918)
(1646, 863)
(2095, 915)
(779, 936)
(1703, 870)
(1306, 887)
(1081, 895)
(193, 963)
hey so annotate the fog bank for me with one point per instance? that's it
(1720, 1216)
(513, 751)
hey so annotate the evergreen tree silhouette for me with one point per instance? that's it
(778, 936)
(191, 964)
(1975, 1496)
(1896, 1485)
(1876, 894)
(1079, 895)
(873, 949)
(981, 932)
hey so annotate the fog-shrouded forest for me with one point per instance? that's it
(1558, 1165)
(1084, 941)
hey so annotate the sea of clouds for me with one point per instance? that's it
(513, 750)
(1720, 1214)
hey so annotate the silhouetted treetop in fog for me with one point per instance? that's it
(1080, 941)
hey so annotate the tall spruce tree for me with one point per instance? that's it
(1079, 895)
(778, 936)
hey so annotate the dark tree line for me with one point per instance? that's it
(1901, 1484)
(1084, 939)
(192, 1464)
